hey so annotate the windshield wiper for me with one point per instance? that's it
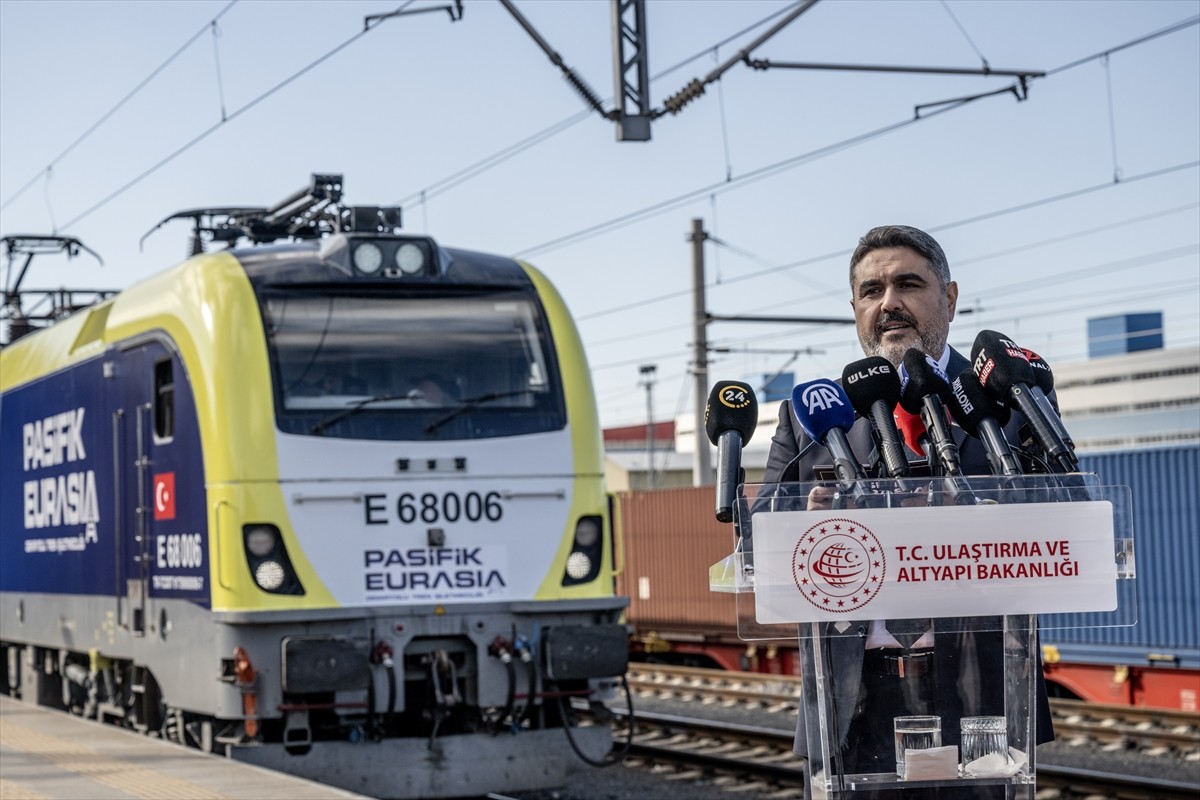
(353, 409)
(467, 405)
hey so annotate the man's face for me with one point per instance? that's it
(898, 304)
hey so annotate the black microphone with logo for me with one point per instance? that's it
(922, 387)
(977, 413)
(1003, 370)
(1043, 378)
(874, 390)
(730, 417)
(824, 412)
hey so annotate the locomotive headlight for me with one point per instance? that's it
(368, 258)
(579, 566)
(410, 259)
(587, 531)
(267, 559)
(260, 540)
(587, 552)
(269, 575)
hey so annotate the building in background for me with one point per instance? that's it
(1124, 333)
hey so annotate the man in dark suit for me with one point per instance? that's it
(902, 297)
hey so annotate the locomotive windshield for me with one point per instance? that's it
(412, 367)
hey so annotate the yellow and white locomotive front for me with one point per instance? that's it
(431, 557)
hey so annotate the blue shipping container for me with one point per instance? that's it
(1165, 484)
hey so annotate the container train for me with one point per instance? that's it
(671, 540)
(328, 499)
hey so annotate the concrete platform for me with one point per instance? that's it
(50, 755)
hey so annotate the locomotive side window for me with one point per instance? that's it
(412, 367)
(164, 399)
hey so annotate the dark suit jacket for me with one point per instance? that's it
(786, 465)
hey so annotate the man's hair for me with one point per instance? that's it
(903, 236)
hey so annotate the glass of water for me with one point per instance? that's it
(916, 733)
(984, 745)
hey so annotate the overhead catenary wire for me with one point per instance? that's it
(504, 154)
(842, 253)
(153, 74)
(233, 115)
(967, 36)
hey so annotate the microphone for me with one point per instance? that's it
(824, 412)
(982, 417)
(913, 430)
(922, 385)
(1004, 371)
(874, 391)
(1043, 385)
(730, 417)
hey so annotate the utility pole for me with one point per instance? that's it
(702, 463)
(647, 372)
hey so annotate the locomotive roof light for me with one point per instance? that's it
(382, 256)
(410, 259)
(368, 258)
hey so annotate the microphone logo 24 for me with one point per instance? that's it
(734, 397)
(821, 397)
(881, 369)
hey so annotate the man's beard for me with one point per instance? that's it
(928, 341)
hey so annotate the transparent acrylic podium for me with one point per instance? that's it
(983, 564)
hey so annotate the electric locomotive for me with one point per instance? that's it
(328, 500)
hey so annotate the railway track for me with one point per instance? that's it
(1149, 730)
(759, 759)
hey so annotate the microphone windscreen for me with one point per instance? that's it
(1042, 374)
(820, 406)
(920, 376)
(1000, 363)
(731, 406)
(970, 404)
(869, 380)
(911, 428)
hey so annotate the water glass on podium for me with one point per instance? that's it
(916, 733)
(984, 746)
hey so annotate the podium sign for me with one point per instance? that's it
(915, 606)
(814, 566)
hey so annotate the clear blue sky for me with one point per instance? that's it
(407, 106)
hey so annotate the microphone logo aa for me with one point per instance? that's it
(821, 397)
(882, 369)
(734, 397)
(936, 367)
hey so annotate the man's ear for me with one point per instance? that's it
(952, 298)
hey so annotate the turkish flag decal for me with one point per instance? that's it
(164, 496)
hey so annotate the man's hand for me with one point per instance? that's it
(821, 498)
